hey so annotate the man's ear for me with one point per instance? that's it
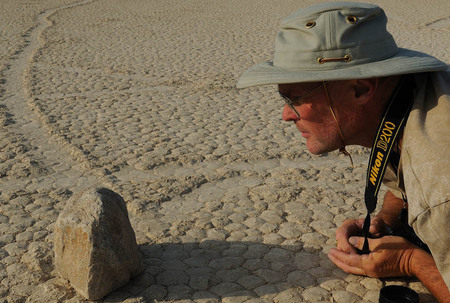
(364, 89)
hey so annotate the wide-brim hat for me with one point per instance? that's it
(336, 41)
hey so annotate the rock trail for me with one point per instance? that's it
(46, 148)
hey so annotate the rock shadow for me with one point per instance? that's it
(215, 269)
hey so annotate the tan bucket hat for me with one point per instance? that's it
(336, 41)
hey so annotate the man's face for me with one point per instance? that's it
(316, 122)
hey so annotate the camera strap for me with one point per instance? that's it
(393, 121)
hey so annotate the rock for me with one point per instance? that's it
(95, 245)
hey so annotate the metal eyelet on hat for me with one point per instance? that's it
(346, 58)
(310, 24)
(351, 19)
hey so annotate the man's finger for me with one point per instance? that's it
(344, 246)
(357, 242)
(350, 263)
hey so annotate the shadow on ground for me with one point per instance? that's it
(220, 269)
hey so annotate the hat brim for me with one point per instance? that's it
(404, 62)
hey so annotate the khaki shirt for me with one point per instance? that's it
(424, 168)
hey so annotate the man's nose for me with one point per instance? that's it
(289, 114)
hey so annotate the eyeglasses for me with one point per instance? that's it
(292, 104)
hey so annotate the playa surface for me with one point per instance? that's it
(138, 96)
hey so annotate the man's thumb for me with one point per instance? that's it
(353, 241)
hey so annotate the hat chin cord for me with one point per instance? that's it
(341, 149)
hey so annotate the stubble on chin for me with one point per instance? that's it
(319, 148)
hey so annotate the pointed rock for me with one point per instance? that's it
(95, 245)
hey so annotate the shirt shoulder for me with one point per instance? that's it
(425, 160)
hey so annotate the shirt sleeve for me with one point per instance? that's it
(390, 180)
(433, 224)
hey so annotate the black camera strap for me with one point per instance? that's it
(393, 121)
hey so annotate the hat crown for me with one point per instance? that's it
(333, 35)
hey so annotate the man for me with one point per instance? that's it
(345, 82)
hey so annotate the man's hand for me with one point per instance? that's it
(354, 228)
(389, 257)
